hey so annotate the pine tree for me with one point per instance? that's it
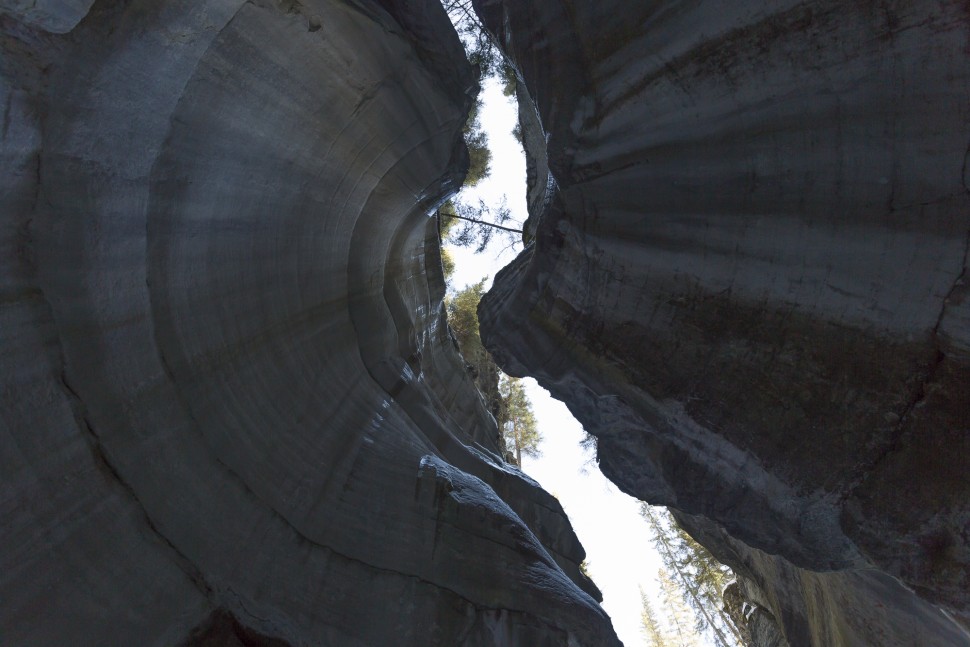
(480, 48)
(465, 224)
(678, 616)
(483, 53)
(700, 577)
(710, 578)
(479, 155)
(518, 421)
(649, 625)
(506, 396)
(462, 311)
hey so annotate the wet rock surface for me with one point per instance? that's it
(231, 409)
(749, 285)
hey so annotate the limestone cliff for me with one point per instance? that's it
(749, 282)
(231, 410)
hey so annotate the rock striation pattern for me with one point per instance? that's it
(749, 281)
(232, 412)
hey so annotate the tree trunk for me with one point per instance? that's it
(685, 581)
(518, 444)
(480, 222)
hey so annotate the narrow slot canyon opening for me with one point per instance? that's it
(231, 406)
(659, 586)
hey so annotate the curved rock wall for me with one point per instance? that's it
(751, 282)
(231, 408)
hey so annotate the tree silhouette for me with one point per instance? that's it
(649, 625)
(463, 321)
(479, 155)
(678, 616)
(466, 225)
(699, 576)
(506, 396)
(517, 420)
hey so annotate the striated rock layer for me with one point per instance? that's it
(749, 281)
(231, 408)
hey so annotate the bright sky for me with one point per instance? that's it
(619, 553)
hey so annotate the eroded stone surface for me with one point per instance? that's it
(56, 16)
(750, 282)
(231, 407)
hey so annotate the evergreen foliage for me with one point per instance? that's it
(652, 630)
(477, 225)
(481, 223)
(505, 395)
(484, 54)
(517, 420)
(463, 320)
(479, 155)
(681, 631)
(465, 225)
(698, 577)
(509, 78)
(447, 264)
(480, 48)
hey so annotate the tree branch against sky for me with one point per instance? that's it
(484, 220)
(480, 47)
(518, 422)
(617, 541)
(699, 577)
(481, 224)
(651, 627)
(506, 396)
(479, 154)
(680, 629)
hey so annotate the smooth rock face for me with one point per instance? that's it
(231, 409)
(750, 283)
(56, 16)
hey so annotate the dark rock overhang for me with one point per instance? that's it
(749, 282)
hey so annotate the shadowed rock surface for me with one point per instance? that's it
(749, 282)
(231, 410)
(232, 413)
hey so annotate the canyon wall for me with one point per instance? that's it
(748, 281)
(232, 412)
